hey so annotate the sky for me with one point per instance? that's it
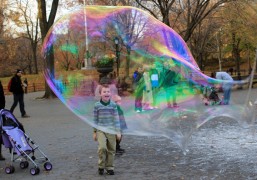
(65, 6)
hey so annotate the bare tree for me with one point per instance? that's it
(163, 8)
(133, 25)
(200, 43)
(2, 42)
(188, 13)
(32, 25)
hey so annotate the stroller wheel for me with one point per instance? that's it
(38, 170)
(48, 166)
(24, 164)
(9, 170)
(27, 164)
(34, 171)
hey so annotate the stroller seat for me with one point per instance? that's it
(18, 140)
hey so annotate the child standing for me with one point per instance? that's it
(123, 125)
(106, 116)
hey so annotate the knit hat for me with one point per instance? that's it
(19, 71)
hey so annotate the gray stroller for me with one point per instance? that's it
(22, 147)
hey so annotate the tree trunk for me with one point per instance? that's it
(50, 67)
(127, 61)
(45, 26)
(236, 54)
(34, 57)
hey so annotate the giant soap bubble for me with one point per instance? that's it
(97, 42)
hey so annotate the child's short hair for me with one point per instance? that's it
(105, 80)
(103, 86)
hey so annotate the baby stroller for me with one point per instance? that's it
(21, 146)
(210, 96)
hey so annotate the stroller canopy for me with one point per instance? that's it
(8, 119)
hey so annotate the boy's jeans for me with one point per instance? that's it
(106, 150)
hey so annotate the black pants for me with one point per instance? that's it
(18, 98)
(138, 99)
(118, 143)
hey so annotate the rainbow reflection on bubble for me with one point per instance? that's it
(143, 42)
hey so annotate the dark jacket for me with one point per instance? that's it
(170, 78)
(2, 97)
(16, 85)
(138, 81)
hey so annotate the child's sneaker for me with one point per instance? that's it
(110, 172)
(100, 171)
(25, 116)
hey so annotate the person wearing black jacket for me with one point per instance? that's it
(169, 83)
(18, 93)
(2, 106)
(2, 97)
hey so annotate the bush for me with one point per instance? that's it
(105, 61)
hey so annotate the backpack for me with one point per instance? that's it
(9, 85)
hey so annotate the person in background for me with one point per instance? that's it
(154, 76)
(148, 93)
(139, 84)
(133, 80)
(106, 116)
(169, 83)
(226, 85)
(25, 84)
(18, 93)
(123, 125)
(2, 106)
(2, 97)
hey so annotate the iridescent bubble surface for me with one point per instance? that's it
(89, 44)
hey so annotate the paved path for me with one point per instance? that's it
(219, 150)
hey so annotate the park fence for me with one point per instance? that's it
(33, 87)
(87, 85)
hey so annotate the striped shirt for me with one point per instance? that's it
(106, 116)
